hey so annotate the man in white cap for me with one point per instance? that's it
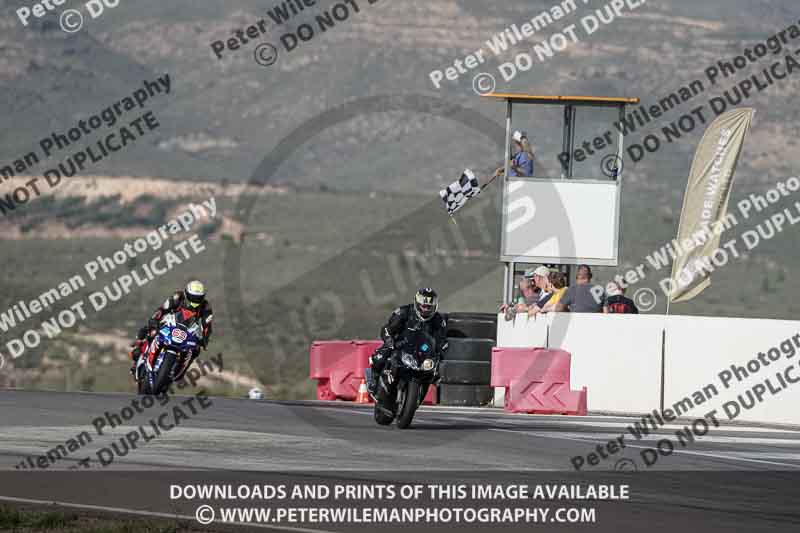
(541, 278)
(521, 164)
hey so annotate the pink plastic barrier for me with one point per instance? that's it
(536, 381)
(338, 367)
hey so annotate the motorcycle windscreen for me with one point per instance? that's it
(420, 343)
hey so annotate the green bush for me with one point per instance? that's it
(107, 211)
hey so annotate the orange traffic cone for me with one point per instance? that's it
(363, 393)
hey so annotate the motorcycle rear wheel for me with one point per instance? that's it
(409, 405)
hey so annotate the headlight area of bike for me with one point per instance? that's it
(411, 362)
(166, 335)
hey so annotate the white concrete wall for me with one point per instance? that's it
(618, 357)
(698, 349)
(522, 332)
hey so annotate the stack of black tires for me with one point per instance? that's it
(466, 367)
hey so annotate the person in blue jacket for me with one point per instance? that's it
(522, 163)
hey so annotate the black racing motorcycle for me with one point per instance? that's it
(404, 382)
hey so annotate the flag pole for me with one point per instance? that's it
(715, 161)
(664, 353)
(491, 180)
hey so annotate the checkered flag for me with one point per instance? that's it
(457, 193)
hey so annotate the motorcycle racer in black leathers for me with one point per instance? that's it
(422, 314)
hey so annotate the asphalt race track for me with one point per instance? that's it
(317, 436)
(721, 479)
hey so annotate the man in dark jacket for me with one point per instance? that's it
(617, 302)
(421, 315)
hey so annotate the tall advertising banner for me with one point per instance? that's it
(705, 204)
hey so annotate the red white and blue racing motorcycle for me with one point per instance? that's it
(169, 354)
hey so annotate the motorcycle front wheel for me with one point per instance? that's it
(141, 380)
(384, 408)
(382, 417)
(162, 381)
(409, 404)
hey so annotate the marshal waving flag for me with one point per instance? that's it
(705, 205)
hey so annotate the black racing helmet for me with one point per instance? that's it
(426, 302)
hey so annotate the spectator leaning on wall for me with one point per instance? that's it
(558, 280)
(617, 302)
(541, 277)
(525, 299)
(583, 297)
